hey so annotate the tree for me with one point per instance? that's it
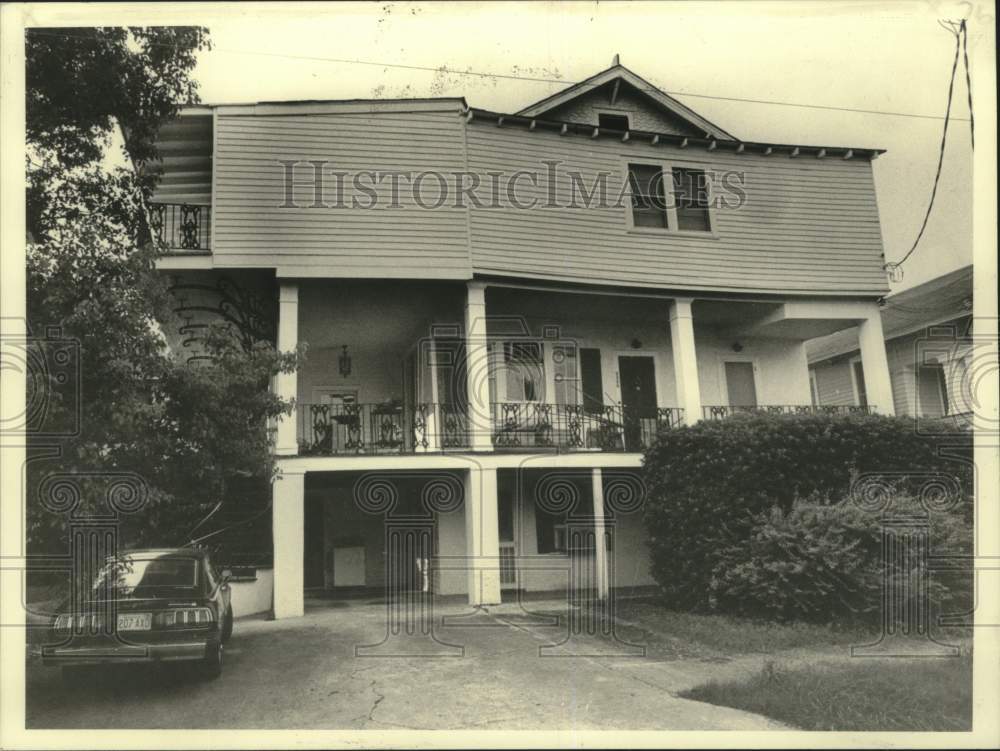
(95, 100)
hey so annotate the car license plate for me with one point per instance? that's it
(135, 621)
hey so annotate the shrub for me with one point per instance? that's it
(707, 484)
(824, 563)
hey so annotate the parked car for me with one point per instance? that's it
(146, 606)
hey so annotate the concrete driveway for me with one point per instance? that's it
(503, 668)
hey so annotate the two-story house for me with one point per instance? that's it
(501, 311)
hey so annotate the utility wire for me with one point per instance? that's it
(513, 77)
(895, 266)
(968, 83)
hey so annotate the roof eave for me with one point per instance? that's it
(710, 143)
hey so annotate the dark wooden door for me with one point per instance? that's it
(637, 374)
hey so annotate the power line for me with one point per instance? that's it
(895, 266)
(508, 76)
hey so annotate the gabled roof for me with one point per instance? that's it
(622, 74)
(941, 299)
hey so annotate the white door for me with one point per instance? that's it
(349, 567)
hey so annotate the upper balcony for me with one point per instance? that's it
(181, 227)
(423, 368)
(180, 216)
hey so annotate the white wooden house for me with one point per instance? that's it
(929, 347)
(495, 365)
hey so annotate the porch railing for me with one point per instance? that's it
(181, 226)
(339, 429)
(386, 428)
(566, 426)
(722, 411)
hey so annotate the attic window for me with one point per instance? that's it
(612, 122)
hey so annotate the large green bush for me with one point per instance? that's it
(708, 484)
(824, 563)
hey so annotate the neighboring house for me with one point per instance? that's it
(483, 374)
(927, 341)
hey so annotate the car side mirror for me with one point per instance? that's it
(227, 574)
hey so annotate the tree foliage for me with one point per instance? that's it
(95, 100)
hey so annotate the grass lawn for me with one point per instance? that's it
(729, 635)
(875, 694)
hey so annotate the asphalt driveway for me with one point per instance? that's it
(503, 668)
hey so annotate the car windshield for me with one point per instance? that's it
(132, 573)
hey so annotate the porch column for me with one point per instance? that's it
(286, 384)
(685, 359)
(871, 340)
(482, 536)
(477, 369)
(288, 533)
(600, 545)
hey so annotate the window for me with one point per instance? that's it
(649, 207)
(612, 122)
(813, 388)
(860, 394)
(691, 199)
(932, 390)
(565, 374)
(525, 374)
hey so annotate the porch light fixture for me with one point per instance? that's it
(737, 347)
(636, 344)
(344, 362)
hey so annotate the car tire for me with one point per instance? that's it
(227, 624)
(210, 666)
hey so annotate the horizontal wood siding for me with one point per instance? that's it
(386, 242)
(809, 225)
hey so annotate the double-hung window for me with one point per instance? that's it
(649, 203)
(524, 371)
(680, 205)
(691, 199)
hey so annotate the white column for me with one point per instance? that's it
(600, 546)
(286, 385)
(482, 536)
(477, 369)
(685, 359)
(878, 385)
(288, 533)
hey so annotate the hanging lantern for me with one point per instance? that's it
(345, 363)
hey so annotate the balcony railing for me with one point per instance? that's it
(181, 226)
(719, 412)
(564, 426)
(388, 428)
(328, 429)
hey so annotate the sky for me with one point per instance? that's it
(891, 57)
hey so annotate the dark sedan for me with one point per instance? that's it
(146, 606)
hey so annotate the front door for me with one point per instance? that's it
(637, 376)
(740, 384)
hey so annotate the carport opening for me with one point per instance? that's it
(374, 536)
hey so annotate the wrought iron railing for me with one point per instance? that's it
(722, 411)
(385, 428)
(535, 425)
(339, 429)
(181, 226)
